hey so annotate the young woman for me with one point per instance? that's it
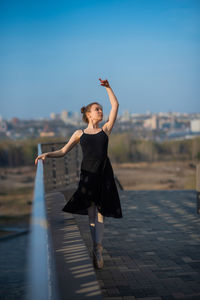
(96, 194)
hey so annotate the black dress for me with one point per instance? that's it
(97, 183)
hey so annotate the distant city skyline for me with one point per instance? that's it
(52, 54)
(76, 114)
(163, 125)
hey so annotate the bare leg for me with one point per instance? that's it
(96, 224)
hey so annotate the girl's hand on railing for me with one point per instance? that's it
(104, 83)
(42, 156)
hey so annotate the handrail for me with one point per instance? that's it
(41, 271)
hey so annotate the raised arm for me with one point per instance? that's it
(64, 150)
(114, 106)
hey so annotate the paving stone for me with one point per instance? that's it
(153, 252)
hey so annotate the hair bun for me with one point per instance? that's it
(82, 109)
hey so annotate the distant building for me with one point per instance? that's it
(47, 131)
(165, 123)
(64, 116)
(195, 125)
(125, 116)
(54, 116)
(151, 123)
(47, 134)
(3, 126)
(15, 121)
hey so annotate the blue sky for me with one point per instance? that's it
(53, 52)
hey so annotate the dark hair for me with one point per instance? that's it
(85, 109)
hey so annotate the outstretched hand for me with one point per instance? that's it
(104, 82)
(42, 156)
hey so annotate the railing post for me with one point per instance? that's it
(66, 162)
(54, 168)
(198, 187)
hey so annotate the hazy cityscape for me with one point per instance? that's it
(152, 126)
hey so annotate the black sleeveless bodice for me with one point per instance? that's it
(94, 149)
(97, 183)
(94, 145)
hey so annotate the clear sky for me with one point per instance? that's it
(53, 52)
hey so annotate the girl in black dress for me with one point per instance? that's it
(96, 194)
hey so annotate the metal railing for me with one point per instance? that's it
(54, 174)
(41, 272)
(63, 171)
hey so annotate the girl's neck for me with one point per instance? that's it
(93, 126)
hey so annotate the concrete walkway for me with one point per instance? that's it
(153, 252)
(76, 278)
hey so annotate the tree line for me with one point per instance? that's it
(123, 147)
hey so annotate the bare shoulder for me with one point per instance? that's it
(74, 139)
(78, 133)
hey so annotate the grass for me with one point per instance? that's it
(156, 175)
(16, 201)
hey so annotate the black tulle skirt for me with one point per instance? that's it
(96, 184)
